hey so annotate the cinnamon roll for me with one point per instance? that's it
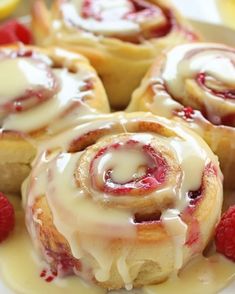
(123, 201)
(43, 91)
(120, 37)
(195, 83)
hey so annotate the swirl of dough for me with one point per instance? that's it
(42, 92)
(120, 38)
(203, 77)
(127, 199)
(47, 90)
(195, 84)
(128, 20)
(34, 81)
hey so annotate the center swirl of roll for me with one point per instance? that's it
(203, 76)
(136, 10)
(130, 167)
(136, 171)
(128, 20)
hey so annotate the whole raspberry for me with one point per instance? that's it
(13, 31)
(7, 217)
(225, 234)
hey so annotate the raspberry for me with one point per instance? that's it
(225, 234)
(13, 31)
(7, 217)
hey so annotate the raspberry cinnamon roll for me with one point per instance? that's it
(119, 37)
(195, 83)
(123, 201)
(43, 91)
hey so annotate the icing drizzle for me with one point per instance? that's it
(128, 20)
(203, 76)
(39, 89)
(68, 179)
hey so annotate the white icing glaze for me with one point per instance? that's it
(162, 101)
(220, 67)
(124, 270)
(110, 18)
(53, 176)
(20, 74)
(118, 159)
(202, 275)
(69, 93)
(28, 281)
(177, 229)
(61, 169)
(193, 159)
(185, 62)
(112, 13)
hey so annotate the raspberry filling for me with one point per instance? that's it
(218, 89)
(143, 11)
(129, 9)
(32, 82)
(194, 196)
(228, 120)
(48, 275)
(144, 173)
(138, 11)
(186, 113)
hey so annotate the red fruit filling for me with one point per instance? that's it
(228, 120)
(155, 171)
(63, 263)
(139, 11)
(194, 196)
(211, 169)
(186, 113)
(143, 10)
(48, 275)
(88, 10)
(34, 94)
(202, 79)
(193, 234)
